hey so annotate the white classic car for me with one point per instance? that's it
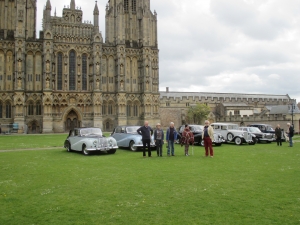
(89, 140)
(231, 133)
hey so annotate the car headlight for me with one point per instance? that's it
(95, 143)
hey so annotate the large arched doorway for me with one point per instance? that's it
(71, 121)
(108, 125)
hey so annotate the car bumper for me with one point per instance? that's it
(102, 148)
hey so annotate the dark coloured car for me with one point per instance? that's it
(259, 136)
(197, 131)
(265, 128)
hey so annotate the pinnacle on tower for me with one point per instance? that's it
(48, 5)
(96, 10)
(72, 5)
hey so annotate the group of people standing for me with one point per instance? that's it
(187, 139)
(290, 134)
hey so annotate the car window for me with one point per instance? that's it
(196, 128)
(118, 130)
(181, 129)
(234, 127)
(91, 131)
(269, 128)
(76, 132)
(223, 127)
(254, 130)
(216, 127)
(132, 130)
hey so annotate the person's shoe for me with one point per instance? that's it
(169, 155)
(173, 155)
(160, 155)
(186, 154)
(149, 156)
(211, 156)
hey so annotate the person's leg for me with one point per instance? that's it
(206, 146)
(187, 149)
(168, 147)
(211, 151)
(144, 148)
(172, 148)
(149, 149)
(160, 148)
(157, 147)
(291, 142)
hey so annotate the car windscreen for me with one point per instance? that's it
(132, 130)
(233, 127)
(196, 128)
(254, 130)
(91, 131)
(269, 128)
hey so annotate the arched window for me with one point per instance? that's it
(84, 72)
(133, 5)
(104, 109)
(30, 108)
(38, 109)
(72, 70)
(8, 110)
(126, 5)
(1, 108)
(135, 110)
(110, 109)
(59, 70)
(128, 110)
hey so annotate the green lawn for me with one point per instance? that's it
(241, 185)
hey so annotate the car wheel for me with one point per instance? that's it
(132, 148)
(238, 141)
(68, 146)
(84, 151)
(230, 136)
(254, 141)
(202, 143)
(112, 151)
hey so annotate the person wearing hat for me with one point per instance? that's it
(187, 139)
(208, 137)
(159, 139)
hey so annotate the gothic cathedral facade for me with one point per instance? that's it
(70, 77)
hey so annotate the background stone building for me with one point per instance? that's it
(70, 77)
(241, 109)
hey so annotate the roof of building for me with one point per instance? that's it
(206, 95)
(282, 109)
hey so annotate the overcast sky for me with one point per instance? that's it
(231, 46)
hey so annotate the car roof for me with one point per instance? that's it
(224, 123)
(260, 124)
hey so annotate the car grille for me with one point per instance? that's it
(103, 142)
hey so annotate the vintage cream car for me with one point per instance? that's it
(231, 133)
(89, 140)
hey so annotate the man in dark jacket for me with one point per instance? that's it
(290, 132)
(278, 135)
(146, 132)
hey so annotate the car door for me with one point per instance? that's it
(75, 141)
(116, 135)
(123, 136)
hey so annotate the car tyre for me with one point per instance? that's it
(238, 141)
(84, 151)
(230, 136)
(254, 141)
(202, 143)
(132, 148)
(68, 146)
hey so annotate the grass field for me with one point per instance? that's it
(241, 185)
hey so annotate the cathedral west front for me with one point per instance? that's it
(70, 76)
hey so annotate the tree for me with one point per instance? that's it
(197, 113)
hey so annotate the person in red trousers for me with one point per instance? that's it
(208, 137)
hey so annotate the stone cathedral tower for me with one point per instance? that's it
(70, 77)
